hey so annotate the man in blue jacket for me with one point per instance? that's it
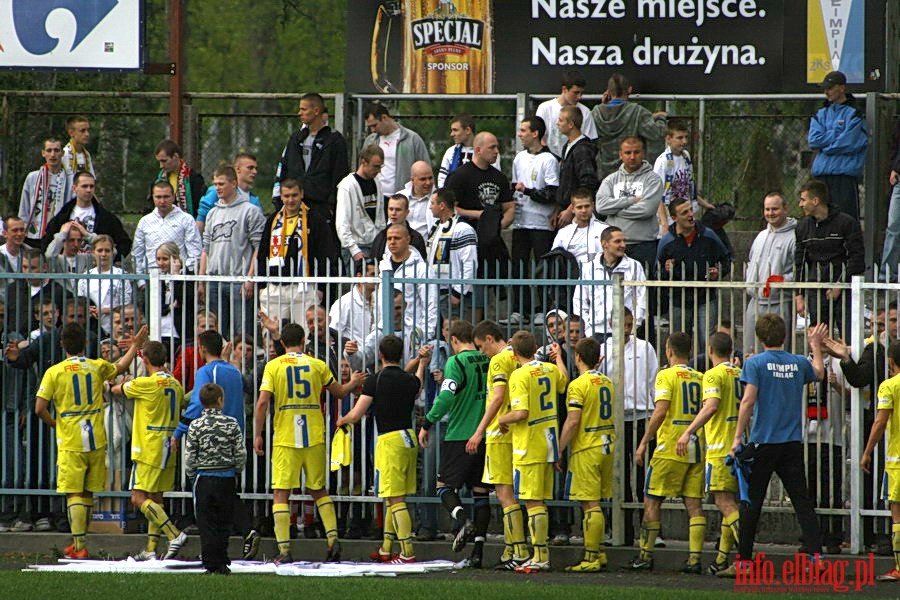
(839, 133)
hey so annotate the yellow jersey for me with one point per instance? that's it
(888, 399)
(592, 393)
(723, 382)
(296, 381)
(534, 387)
(75, 386)
(158, 402)
(500, 368)
(681, 387)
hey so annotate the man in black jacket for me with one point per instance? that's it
(316, 156)
(93, 217)
(577, 169)
(829, 248)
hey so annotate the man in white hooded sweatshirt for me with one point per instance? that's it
(771, 257)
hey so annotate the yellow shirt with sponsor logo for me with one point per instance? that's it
(75, 386)
(296, 381)
(681, 386)
(501, 367)
(592, 393)
(723, 382)
(534, 387)
(889, 399)
(159, 400)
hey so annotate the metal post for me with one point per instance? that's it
(856, 416)
(521, 108)
(340, 106)
(873, 175)
(176, 57)
(191, 137)
(154, 311)
(618, 513)
(387, 302)
(701, 131)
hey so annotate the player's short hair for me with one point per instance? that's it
(816, 189)
(573, 113)
(226, 171)
(588, 349)
(401, 228)
(445, 196)
(582, 193)
(370, 152)
(291, 183)
(675, 203)
(30, 254)
(391, 348)
(721, 344)
(73, 338)
(894, 353)
(769, 329)
(608, 233)
(376, 109)
(572, 78)
(777, 194)
(169, 147)
(51, 139)
(360, 266)
(674, 126)
(244, 155)
(628, 312)
(162, 183)
(680, 344)
(618, 85)
(465, 120)
(292, 335)
(314, 99)
(462, 330)
(155, 353)
(399, 196)
(487, 328)
(523, 344)
(80, 175)
(211, 341)
(210, 394)
(537, 125)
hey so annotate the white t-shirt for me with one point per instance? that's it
(536, 171)
(677, 173)
(549, 112)
(86, 216)
(388, 175)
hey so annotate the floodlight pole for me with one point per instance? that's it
(176, 79)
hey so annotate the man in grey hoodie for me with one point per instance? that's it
(233, 230)
(629, 198)
(771, 257)
(402, 147)
(616, 119)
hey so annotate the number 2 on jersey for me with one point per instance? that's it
(546, 404)
(298, 387)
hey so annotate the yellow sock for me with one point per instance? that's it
(727, 541)
(387, 545)
(152, 536)
(507, 545)
(281, 515)
(593, 525)
(515, 525)
(79, 507)
(696, 535)
(895, 540)
(403, 527)
(157, 514)
(329, 519)
(538, 523)
(649, 531)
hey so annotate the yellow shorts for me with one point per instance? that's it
(719, 477)
(890, 486)
(395, 463)
(81, 471)
(152, 479)
(674, 479)
(533, 481)
(498, 469)
(290, 465)
(590, 474)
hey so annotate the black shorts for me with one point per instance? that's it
(458, 468)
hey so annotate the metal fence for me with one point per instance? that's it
(833, 443)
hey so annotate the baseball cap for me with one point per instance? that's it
(832, 79)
